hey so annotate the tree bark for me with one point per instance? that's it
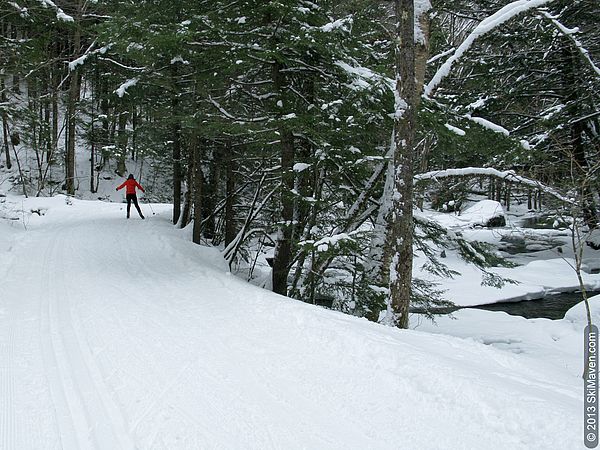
(55, 81)
(73, 98)
(230, 232)
(400, 226)
(197, 192)
(122, 141)
(5, 124)
(283, 248)
(189, 181)
(176, 133)
(211, 183)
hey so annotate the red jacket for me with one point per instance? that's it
(130, 186)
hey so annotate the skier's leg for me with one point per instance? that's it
(128, 196)
(135, 202)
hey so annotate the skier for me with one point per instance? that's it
(130, 184)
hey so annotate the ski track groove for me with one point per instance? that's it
(56, 382)
(130, 339)
(10, 436)
(108, 429)
(81, 413)
(143, 267)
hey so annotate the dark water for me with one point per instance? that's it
(550, 307)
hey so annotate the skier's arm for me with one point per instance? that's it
(140, 186)
(122, 186)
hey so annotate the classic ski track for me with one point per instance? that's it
(111, 411)
(11, 317)
(139, 274)
(106, 418)
(56, 380)
(93, 427)
(8, 387)
(151, 417)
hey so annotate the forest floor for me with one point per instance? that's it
(120, 333)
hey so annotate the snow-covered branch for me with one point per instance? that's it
(89, 52)
(488, 24)
(570, 34)
(365, 78)
(440, 55)
(122, 90)
(488, 124)
(231, 116)
(22, 10)
(135, 69)
(507, 175)
(60, 14)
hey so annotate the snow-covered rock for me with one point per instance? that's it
(485, 213)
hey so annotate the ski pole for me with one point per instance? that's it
(150, 205)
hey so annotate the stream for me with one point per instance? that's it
(550, 307)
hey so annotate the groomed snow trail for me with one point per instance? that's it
(119, 334)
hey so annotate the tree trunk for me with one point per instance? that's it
(197, 191)
(189, 182)
(104, 133)
(230, 231)
(573, 87)
(176, 133)
(134, 123)
(54, 145)
(176, 169)
(283, 248)
(209, 194)
(47, 117)
(400, 225)
(5, 124)
(122, 142)
(73, 98)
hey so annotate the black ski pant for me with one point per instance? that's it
(133, 198)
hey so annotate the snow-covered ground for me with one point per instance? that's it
(120, 333)
(546, 268)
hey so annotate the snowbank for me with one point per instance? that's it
(553, 347)
(578, 314)
(534, 279)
